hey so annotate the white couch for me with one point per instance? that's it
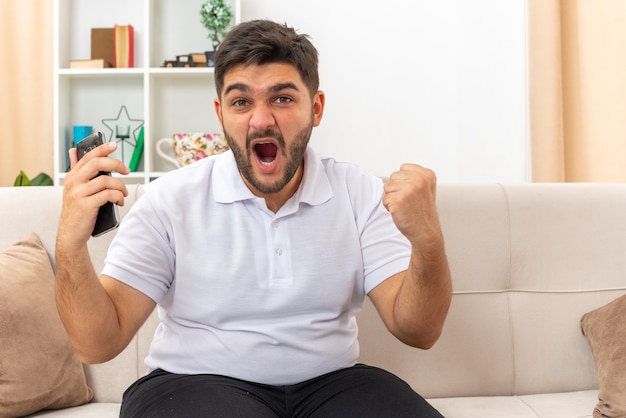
(527, 261)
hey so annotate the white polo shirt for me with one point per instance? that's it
(248, 293)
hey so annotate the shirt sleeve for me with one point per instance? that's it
(386, 251)
(142, 255)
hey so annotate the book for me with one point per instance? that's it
(137, 152)
(92, 63)
(103, 44)
(124, 46)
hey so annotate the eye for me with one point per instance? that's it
(239, 102)
(283, 100)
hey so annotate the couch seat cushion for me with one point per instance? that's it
(553, 405)
(90, 410)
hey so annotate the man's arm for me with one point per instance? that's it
(414, 304)
(100, 315)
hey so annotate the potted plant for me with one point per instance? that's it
(215, 16)
(41, 179)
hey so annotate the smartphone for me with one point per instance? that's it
(108, 217)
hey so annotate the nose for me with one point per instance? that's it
(261, 117)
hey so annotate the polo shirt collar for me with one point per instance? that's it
(229, 187)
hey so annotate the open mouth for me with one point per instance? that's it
(266, 152)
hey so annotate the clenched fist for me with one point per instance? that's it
(410, 198)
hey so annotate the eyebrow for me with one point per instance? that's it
(236, 86)
(283, 86)
(273, 89)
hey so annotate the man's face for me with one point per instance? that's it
(267, 115)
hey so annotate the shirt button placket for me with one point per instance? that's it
(282, 269)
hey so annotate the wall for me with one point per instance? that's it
(439, 83)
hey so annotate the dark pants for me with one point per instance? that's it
(360, 391)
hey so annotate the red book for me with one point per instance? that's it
(124, 46)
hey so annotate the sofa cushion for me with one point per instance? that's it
(38, 367)
(605, 329)
(545, 405)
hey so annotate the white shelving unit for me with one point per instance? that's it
(168, 100)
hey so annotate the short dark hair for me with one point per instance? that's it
(259, 42)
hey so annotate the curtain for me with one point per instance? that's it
(577, 79)
(26, 77)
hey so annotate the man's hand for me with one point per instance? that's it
(410, 198)
(84, 192)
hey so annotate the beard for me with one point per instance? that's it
(294, 155)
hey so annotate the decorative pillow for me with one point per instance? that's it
(38, 367)
(605, 329)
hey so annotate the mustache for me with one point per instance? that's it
(267, 133)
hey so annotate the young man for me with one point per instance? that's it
(258, 259)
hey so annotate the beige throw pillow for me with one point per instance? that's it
(38, 367)
(605, 329)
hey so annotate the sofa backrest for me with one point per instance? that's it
(527, 261)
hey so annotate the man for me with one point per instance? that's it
(258, 259)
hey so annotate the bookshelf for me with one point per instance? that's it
(168, 100)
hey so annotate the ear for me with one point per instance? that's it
(318, 107)
(218, 111)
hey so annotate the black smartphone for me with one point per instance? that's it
(108, 217)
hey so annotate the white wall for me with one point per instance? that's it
(439, 83)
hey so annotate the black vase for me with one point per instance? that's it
(209, 58)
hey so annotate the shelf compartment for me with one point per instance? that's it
(180, 104)
(78, 17)
(87, 100)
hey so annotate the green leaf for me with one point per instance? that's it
(42, 179)
(22, 180)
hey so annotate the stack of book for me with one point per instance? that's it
(110, 47)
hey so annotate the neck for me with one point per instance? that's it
(275, 201)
